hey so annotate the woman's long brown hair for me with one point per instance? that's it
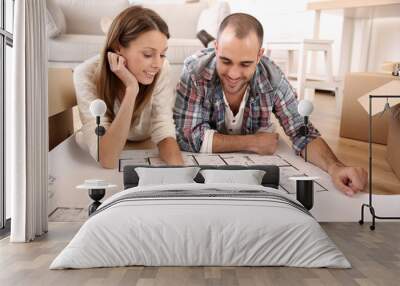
(126, 27)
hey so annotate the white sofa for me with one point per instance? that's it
(82, 36)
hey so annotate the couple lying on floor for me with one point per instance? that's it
(223, 102)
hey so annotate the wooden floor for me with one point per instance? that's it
(352, 152)
(374, 255)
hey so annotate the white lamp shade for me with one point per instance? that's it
(305, 107)
(98, 107)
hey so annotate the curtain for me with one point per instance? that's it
(27, 123)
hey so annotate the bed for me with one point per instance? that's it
(201, 223)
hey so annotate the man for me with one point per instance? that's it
(226, 97)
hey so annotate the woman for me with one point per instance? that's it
(131, 76)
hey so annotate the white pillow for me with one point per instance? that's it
(105, 23)
(55, 20)
(211, 18)
(248, 177)
(162, 176)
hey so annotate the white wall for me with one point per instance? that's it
(385, 37)
(376, 38)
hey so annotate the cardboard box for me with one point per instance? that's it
(60, 128)
(61, 100)
(384, 97)
(393, 140)
(354, 120)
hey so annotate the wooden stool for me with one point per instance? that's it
(303, 47)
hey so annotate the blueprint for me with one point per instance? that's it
(286, 169)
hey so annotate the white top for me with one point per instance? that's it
(156, 120)
(233, 123)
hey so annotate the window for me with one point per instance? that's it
(6, 44)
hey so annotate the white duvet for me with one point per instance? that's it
(190, 230)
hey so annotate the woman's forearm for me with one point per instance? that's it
(170, 152)
(112, 143)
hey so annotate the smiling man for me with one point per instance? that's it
(227, 95)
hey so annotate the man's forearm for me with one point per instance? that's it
(321, 155)
(264, 143)
(231, 143)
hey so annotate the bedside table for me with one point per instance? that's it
(96, 190)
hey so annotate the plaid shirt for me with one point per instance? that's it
(200, 105)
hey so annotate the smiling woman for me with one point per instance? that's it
(132, 76)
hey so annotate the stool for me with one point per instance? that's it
(303, 47)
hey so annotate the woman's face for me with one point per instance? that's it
(145, 56)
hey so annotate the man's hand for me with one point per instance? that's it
(349, 180)
(264, 143)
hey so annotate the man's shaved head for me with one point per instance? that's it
(242, 24)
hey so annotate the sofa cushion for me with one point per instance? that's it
(211, 18)
(77, 48)
(74, 48)
(83, 16)
(180, 49)
(55, 20)
(181, 17)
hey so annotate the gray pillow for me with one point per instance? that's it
(248, 177)
(55, 20)
(162, 176)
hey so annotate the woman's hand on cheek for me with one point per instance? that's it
(118, 66)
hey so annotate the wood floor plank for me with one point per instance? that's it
(374, 255)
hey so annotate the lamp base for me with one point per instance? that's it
(305, 193)
(96, 195)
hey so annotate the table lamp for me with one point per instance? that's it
(98, 108)
(305, 108)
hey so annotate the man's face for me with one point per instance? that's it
(236, 60)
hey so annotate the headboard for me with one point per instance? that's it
(270, 179)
